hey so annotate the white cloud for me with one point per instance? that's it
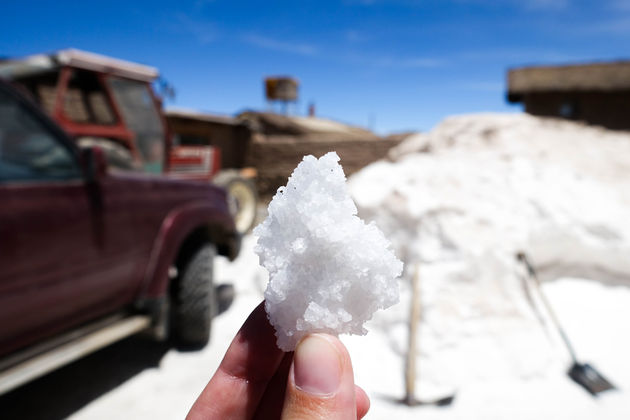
(355, 37)
(619, 26)
(396, 62)
(524, 4)
(204, 32)
(282, 46)
(623, 5)
(421, 62)
(545, 4)
(481, 86)
(517, 55)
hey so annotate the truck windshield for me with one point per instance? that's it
(141, 116)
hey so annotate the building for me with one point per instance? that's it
(597, 93)
(230, 135)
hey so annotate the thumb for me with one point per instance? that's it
(321, 382)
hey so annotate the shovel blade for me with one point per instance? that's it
(589, 378)
(438, 402)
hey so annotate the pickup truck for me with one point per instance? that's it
(89, 254)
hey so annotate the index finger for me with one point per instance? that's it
(240, 381)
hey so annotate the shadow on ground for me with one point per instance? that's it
(65, 391)
(68, 389)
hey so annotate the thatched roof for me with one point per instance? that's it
(583, 77)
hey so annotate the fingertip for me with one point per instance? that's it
(363, 401)
(318, 365)
(321, 381)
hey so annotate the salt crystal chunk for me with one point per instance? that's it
(328, 270)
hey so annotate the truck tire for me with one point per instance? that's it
(193, 303)
(242, 198)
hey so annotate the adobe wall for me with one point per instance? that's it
(275, 157)
(607, 109)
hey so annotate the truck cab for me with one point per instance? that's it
(110, 103)
(82, 243)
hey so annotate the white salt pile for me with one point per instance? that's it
(328, 271)
(459, 202)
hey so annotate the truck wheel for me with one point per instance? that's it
(193, 300)
(242, 198)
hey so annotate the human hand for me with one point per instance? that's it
(256, 380)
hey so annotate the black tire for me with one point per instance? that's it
(242, 198)
(193, 303)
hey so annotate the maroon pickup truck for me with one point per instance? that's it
(89, 255)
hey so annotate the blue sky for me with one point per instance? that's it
(395, 65)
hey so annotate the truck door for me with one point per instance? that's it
(53, 273)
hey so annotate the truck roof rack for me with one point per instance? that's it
(41, 63)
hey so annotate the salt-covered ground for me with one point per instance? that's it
(490, 186)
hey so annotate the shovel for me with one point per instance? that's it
(582, 373)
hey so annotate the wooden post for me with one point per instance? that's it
(414, 318)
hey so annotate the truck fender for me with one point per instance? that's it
(176, 228)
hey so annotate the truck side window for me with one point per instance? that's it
(143, 118)
(28, 151)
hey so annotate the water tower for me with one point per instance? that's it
(281, 89)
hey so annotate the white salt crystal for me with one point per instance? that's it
(328, 270)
